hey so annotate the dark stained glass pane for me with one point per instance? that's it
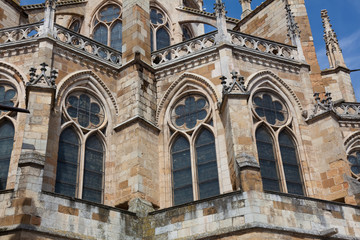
(206, 165)
(209, 189)
(93, 172)
(75, 26)
(152, 39)
(92, 195)
(191, 112)
(268, 168)
(116, 36)
(162, 38)
(156, 17)
(101, 34)
(354, 160)
(6, 145)
(271, 110)
(295, 188)
(186, 34)
(181, 170)
(6, 97)
(183, 195)
(183, 178)
(290, 163)
(109, 13)
(67, 167)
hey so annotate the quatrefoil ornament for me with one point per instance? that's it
(190, 111)
(85, 110)
(270, 109)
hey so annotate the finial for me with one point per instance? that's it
(333, 50)
(49, 17)
(42, 79)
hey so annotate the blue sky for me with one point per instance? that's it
(344, 16)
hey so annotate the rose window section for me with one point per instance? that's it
(354, 160)
(270, 109)
(190, 112)
(8, 97)
(85, 110)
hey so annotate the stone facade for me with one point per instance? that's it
(134, 92)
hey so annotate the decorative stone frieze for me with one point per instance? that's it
(42, 79)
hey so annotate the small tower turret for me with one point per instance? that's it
(333, 50)
(246, 7)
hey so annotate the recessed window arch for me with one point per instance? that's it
(187, 32)
(75, 24)
(81, 154)
(193, 153)
(353, 154)
(276, 146)
(7, 133)
(107, 26)
(159, 29)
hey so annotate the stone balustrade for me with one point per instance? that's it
(184, 49)
(238, 40)
(79, 42)
(263, 46)
(20, 33)
(348, 110)
(87, 45)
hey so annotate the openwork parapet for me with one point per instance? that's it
(238, 40)
(20, 33)
(87, 45)
(183, 49)
(348, 110)
(263, 46)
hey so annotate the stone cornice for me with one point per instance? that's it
(58, 4)
(335, 70)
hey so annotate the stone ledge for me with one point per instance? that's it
(32, 158)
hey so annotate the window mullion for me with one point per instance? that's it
(279, 164)
(80, 177)
(195, 181)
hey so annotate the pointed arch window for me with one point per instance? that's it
(107, 26)
(75, 25)
(277, 151)
(193, 151)
(81, 155)
(160, 29)
(6, 145)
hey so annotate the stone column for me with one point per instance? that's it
(40, 94)
(136, 30)
(237, 118)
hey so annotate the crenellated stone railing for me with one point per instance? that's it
(184, 49)
(61, 34)
(239, 40)
(87, 45)
(348, 110)
(263, 45)
(20, 33)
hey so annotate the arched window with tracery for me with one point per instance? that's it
(187, 32)
(81, 155)
(75, 25)
(193, 149)
(276, 146)
(107, 26)
(353, 154)
(8, 97)
(159, 29)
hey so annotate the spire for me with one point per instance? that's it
(294, 31)
(222, 35)
(246, 7)
(333, 50)
(49, 17)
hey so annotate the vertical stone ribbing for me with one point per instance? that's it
(136, 30)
